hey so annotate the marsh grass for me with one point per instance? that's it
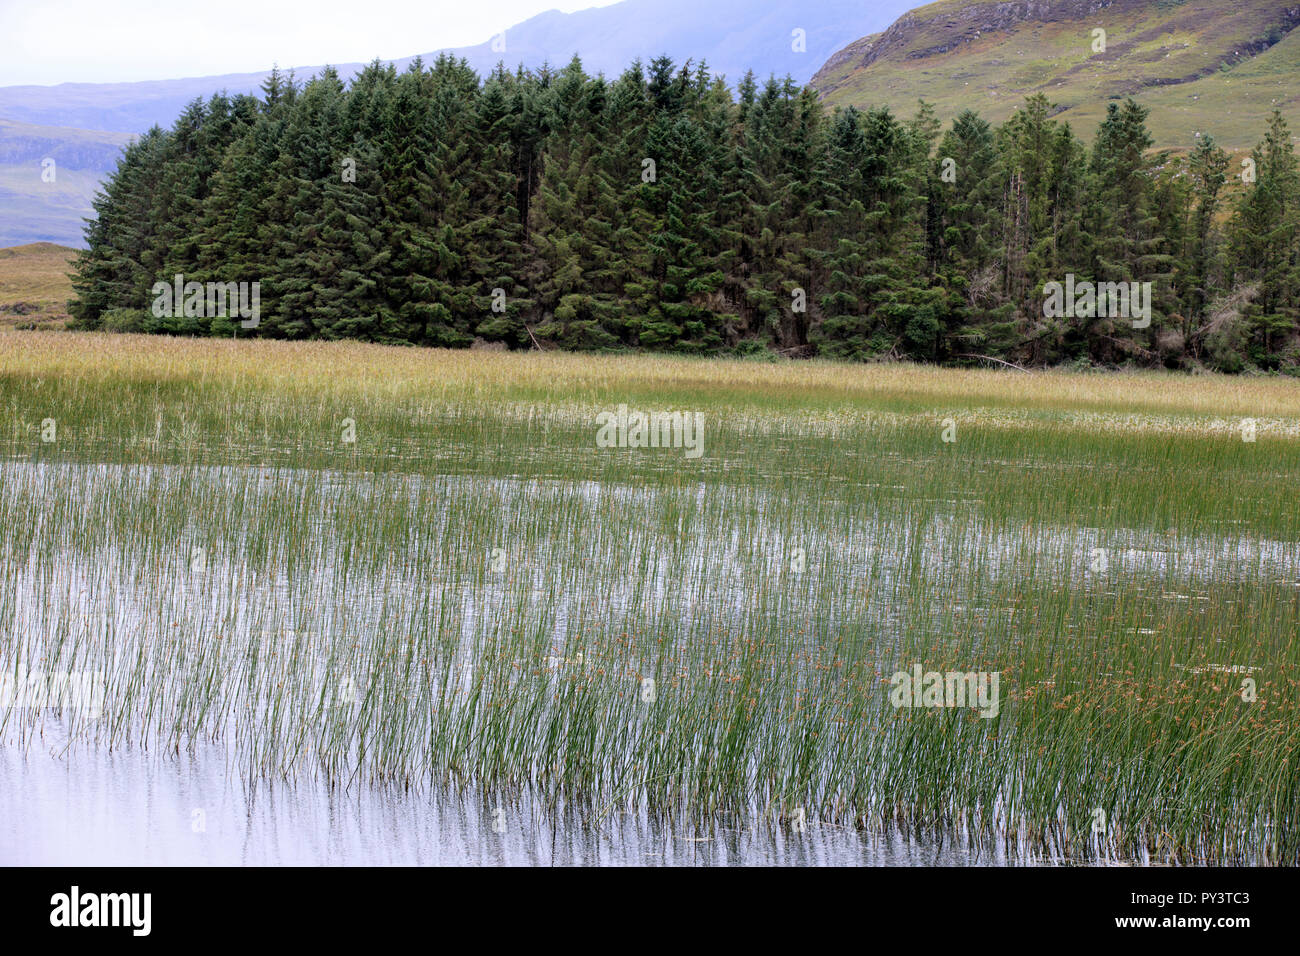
(473, 594)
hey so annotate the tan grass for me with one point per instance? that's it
(1122, 400)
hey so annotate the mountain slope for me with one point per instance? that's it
(43, 203)
(1199, 65)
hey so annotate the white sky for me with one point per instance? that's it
(58, 41)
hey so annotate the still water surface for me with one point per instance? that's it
(92, 808)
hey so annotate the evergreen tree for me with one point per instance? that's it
(111, 272)
(1208, 169)
(965, 242)
(661, 211)
(1266, 247)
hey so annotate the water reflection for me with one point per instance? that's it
(89, 807)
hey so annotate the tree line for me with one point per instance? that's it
(664, 210)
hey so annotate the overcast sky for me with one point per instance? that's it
(59, 41)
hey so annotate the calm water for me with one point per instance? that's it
(85, 805)
(89, 807)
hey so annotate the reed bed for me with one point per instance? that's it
(473, 593)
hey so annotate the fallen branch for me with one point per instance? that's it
(990, 358)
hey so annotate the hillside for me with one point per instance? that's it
(32, 207)
(1198, 65)
(34, 285)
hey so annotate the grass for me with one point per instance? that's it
(473, 593)
(34, 286)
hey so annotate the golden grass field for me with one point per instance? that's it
(1146, 400)
(34, 286)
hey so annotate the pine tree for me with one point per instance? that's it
(1121, 219)
(110, 273)
(660, 211)
(1266, 246)
(874, 305)
(966, 241)
(1208, 169)
(684, 244)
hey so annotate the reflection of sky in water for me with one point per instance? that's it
(90, 808)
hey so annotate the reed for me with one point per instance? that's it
(473, 593)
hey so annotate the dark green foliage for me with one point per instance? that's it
(1266, 251)
(660, 210)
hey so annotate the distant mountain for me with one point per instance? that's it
(731, 36)
(1198, 65)
(48, 176)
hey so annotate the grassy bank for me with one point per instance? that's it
(34, 286)
(471, 590)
